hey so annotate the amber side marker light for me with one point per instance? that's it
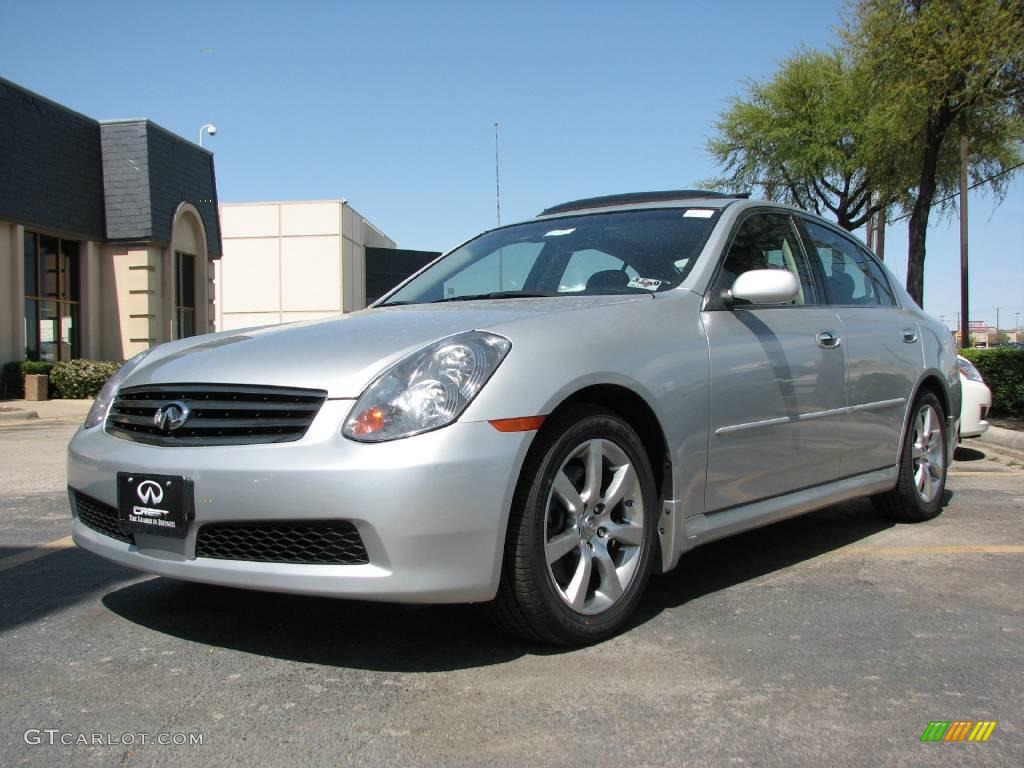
(522, 424)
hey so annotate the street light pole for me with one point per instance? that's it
(965, 330)
(209, 128)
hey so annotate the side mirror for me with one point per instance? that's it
(764, 286)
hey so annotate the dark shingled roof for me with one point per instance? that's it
(119, 180)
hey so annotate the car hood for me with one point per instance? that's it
(341, 355)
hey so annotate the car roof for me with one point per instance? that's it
(634, 199)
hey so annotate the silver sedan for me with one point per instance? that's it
(538, 420)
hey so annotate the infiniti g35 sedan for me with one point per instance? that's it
(538, 420)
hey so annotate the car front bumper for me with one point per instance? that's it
(431, 509)
(977, 399)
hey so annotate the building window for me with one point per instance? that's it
(52, 301)
(184, 295)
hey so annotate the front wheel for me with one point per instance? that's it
(922, 471)
(582, 532)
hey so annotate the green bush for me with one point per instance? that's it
(35, 368)
(81, 379)
(1003, 371)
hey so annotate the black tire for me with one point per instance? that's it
(906, 503)
(530, 602)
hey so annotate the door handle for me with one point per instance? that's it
(828, 339)
(909, 335)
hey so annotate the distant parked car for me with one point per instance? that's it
(538, 420)
(976, 401)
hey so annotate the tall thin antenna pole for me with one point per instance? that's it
(497, 177)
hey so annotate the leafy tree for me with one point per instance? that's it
(799, 137)
(935, 69)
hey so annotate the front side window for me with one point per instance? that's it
(622, 252)
(851, 276)
(52, 298)
(767, 241)
(184, 295)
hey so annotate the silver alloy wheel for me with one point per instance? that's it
(594, 524)
(927, 453)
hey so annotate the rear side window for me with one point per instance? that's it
(851, 275)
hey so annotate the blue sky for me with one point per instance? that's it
(391, 105)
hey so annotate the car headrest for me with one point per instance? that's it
(608, 278)
(841, 286)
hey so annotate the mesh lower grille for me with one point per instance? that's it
(214, 414)
(325, 543)
(101, 517)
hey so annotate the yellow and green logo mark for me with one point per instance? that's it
(958, 730)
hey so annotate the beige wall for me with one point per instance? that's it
(291, 261)
(127, 290)
(131, 289)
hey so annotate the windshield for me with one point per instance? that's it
(625, 252)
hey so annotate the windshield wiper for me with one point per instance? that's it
(496, 295)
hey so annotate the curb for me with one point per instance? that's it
(1008, 438)
(18, 416)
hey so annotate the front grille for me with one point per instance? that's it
(334, 543)
(101, 517)
(219, 414)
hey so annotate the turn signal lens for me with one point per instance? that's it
(368, 422)
(523, 424)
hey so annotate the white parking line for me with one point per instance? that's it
(13, 561)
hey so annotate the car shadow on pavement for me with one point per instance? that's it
(54, 583)
(319, 630)
(384, 637)
(760, 552)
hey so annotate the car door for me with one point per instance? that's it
(777, 375)
(883, 348)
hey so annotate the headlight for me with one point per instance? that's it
(428, 389)
(101, 405)
(968, 370)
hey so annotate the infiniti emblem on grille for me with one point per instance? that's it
(171, 416)
(150, 492)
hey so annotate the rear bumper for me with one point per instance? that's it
(431, 509)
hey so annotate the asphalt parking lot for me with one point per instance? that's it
(832, 639)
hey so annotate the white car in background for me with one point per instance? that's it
(977, 399)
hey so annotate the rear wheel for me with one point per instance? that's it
(581, 534)
(922, 471)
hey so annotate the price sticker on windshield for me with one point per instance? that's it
(647, 283)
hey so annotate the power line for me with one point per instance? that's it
(956, 194)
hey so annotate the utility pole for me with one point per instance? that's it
(880, 236)
(965, 330)
(497, 178)
(1017, 315)
(997, 325)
